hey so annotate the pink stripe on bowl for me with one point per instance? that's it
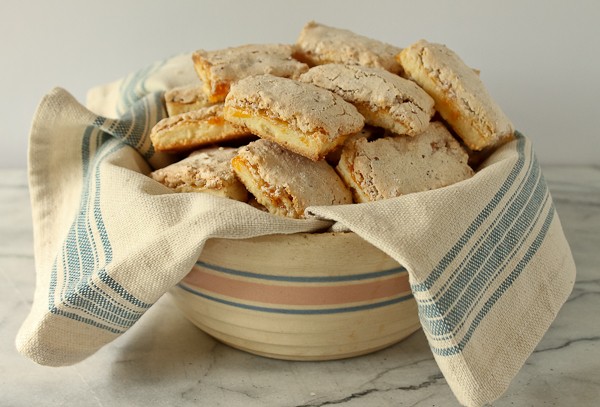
(298, 294)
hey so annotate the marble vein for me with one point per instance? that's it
(395, 368)
(568, 343)
(430, 381)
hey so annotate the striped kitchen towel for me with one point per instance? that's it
(488, 262)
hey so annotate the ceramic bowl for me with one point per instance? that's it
(313, 296)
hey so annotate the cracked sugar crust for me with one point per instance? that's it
(460, 96)
(393, 166)
(287, 183)
(304, 106)
(185, 99)
(206, 170)
(185, 94)
(219, 69)
(383, 98)
(320, 44)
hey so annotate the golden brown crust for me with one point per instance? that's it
(309, 120)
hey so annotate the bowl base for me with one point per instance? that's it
(311, 358)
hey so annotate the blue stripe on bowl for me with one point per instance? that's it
(298, 311)
(303, 279)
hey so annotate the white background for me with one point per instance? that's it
(539, 59)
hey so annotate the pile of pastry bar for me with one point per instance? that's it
(334, 119)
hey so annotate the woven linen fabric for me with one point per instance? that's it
(488, 262)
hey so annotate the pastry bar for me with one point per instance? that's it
(302, 117)
(393, 166)
(460, 96)
(383, 98)
(319, 44)
(219, 69)
(206, 170)
(286, 183)
(195, 129)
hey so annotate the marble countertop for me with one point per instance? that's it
(164, 360)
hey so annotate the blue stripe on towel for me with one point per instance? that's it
(87, 292)
(83, 258)
(470, 271)
(506, 284)
(134, 127)
(444, 312)
(479, 220)
(449, 317)
(489, 268)
(133, 88)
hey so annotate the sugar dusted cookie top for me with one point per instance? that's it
(185, 94)
(383, 98)
(207, 170)
(219, 69)
(320, 44)
(460, 96)
(287, 183)
(393, 166)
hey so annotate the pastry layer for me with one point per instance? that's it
(195, 129)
